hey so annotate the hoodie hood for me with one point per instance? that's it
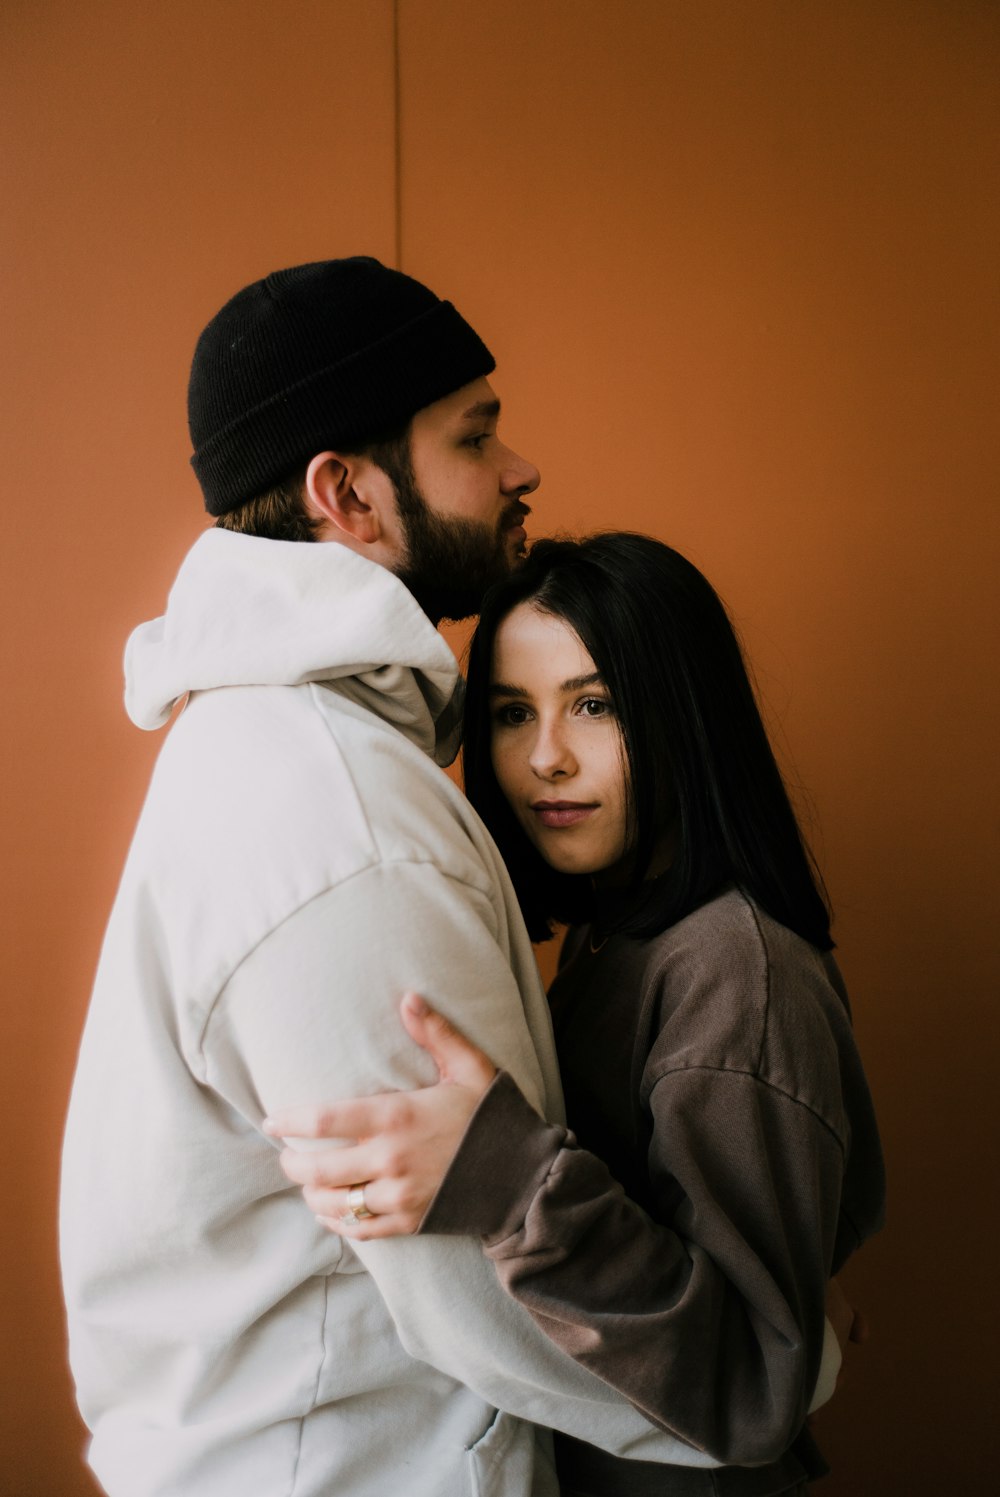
(250, 612)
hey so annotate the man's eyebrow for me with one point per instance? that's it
(482, 410)
(575, 683)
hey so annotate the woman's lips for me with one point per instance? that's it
(556, 813)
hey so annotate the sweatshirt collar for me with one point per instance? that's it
(245, 611)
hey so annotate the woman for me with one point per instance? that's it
(726, 1159)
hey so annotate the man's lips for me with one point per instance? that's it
(557, 813)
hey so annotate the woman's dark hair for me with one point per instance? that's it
(698, 758)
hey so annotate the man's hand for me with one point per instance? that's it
(848, 1323)
(397, 1146)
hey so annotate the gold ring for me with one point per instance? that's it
(356, 1208)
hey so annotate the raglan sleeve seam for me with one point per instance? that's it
(327, 889)
(662, 1074)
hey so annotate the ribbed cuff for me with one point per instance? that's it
(502, 1162)
(355, 400)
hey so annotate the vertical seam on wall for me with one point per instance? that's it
(397, 143)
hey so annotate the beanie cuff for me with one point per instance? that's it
(345, 405)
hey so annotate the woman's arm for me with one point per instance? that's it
(712, 1326)
(708, 1328)
(403, 1142)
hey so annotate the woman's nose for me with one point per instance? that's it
(551, 756)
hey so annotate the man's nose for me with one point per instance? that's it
(519, 476)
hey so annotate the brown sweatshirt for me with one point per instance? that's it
(726, 1162)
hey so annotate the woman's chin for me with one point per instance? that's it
(583, 865)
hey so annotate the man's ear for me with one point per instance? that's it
(339, 489)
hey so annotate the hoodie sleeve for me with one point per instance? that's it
(312, 1015)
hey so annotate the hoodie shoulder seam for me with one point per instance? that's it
(376, 865)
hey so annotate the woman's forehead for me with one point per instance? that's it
(538, 648)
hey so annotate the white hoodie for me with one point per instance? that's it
(300, 861)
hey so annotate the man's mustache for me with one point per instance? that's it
(515, 513)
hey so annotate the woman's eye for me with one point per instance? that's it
(595, 707)
(511, 717)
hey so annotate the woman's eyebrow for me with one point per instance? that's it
(575, 683)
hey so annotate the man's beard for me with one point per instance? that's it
(450, 563)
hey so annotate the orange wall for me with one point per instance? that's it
(738, 263)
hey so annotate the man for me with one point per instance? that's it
(300, 861)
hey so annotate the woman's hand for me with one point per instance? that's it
(403, 1141)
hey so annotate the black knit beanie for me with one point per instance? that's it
(335, 354)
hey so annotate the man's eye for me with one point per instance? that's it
(477, 441)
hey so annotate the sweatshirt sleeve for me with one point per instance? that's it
(312, 1015)
(712, 1325)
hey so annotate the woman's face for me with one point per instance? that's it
(556, 746)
